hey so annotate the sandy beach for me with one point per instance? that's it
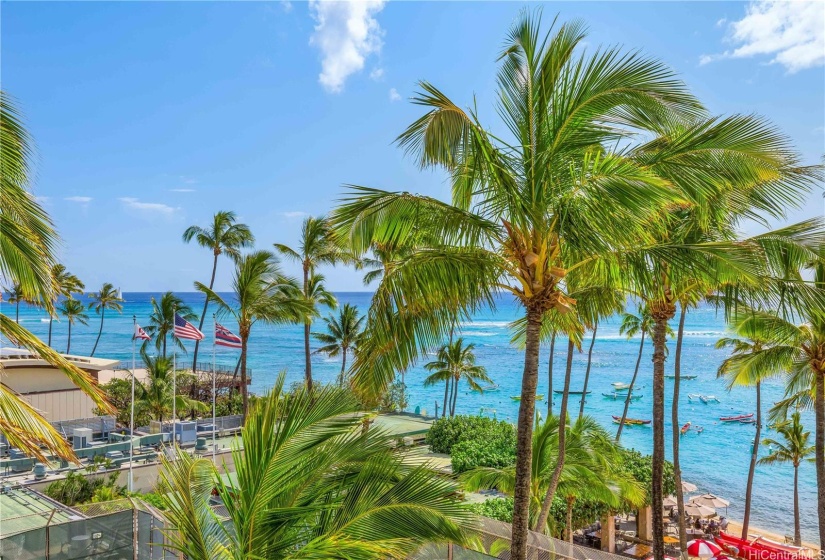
(735, 528)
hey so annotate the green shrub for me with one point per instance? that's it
(446, 432)
(495, 508)
(640, 467)
(468, 455)
(78, 489)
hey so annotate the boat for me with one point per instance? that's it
(619, 386)
(622, 396)
(488, 389)
(682, 377)
(631, 421)
(695, 397)
(518, 397)
(699, 429)
(747, 421)
(684, 429)
(735, 418)
(708, 398)
(558, 392)
(760, 548)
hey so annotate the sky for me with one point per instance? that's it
(149, 117)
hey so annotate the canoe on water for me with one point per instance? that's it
(682, 377)
(737, 418)
(619, 386)
(631, 421)
(684, 429)
(621, 396)
(573, 392)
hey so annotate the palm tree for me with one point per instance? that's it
(222, 236)
(106, 298)
(633, 324)
(315, 248)
(74, 312)
(162, 321)
(27, 243)
(66, 285)
(526, 214)
(794, 449)
(154, 395)
(592, 469)
(455, 362)
(310, 484)
(749, 326)
(343, 333)
(16, 297)
(262, 293)
(315, 295)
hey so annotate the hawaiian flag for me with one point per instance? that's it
(224, 337)
(140, 334)
(186, 330)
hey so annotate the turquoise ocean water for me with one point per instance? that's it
(716, 459)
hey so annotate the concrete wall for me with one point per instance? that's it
(62, 405)
(36, 379)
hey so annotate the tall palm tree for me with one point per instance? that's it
(631, 325)
(749, 327)
(316, 295)
(223, 237)
(74, 312)
(793, 449)
(27, 243)
(310, 484)
(66, 285)
(262, 293)
(343, 333)
(16, 297)
(162, 321)
(106, 298)
(592, 469)
(525, 214)
(456, 361)
(315, 248)
(154, 395)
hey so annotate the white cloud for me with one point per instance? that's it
(294, 215)
(79, 199)
(792, 33)
(721, 22)
(394, 95)
(377, 73)
(286, 5)
(346, 33)
(148, 208)
(182, 190)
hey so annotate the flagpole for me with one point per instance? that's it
(132, 415)
(214, 340)
(174, 378)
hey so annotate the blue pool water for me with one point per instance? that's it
(716, 459)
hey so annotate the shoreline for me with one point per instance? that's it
(735, 528)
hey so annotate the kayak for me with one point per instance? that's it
(518, 397)
(748, 421)
(682, 377)
(631, 421)
(736, 418)
(622, 396)
(684, 429)
(760, 549)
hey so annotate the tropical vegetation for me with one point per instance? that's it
(75, 312)
(161, 326)
(455, 362)
(344, 332)
(106, 298)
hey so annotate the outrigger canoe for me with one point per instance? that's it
(760, 548)
(573, 392)
(684, 429)
(518, 397)
(737, 418)
(682, 377)
(631, 421)
(622, 396)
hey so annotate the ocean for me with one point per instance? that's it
(716, 460)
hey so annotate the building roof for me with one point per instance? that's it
(23, 509)
(17, 357)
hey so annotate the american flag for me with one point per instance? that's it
(224, 337)
(186, 330)
(140, 334)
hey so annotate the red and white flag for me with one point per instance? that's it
(186, 330)
(140, 334)
(224, 337)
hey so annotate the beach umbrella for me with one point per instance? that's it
(702, 548)
(688, 487)
(710, 500)
(669, 502)
(698, 510)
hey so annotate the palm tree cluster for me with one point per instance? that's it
(609, 176)
(455, 361)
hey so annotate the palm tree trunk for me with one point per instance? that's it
(746, 518)
(99, 331)
(307, 360)
(69, 340)
(524, 439)
(343, 365)
(587, 371)
(797, 532)
(164, 345)
(244, 394)
(819, 407)
(51, 320)
(17, 319)
(446, 394)
(554, 480)
(550, 376)
(203, 313)
(630, 389)
(674, 420)
(662, 312)
(570, 500)
(455, 396)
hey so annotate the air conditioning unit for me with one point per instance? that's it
(81, 437)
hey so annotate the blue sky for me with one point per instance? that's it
(150, 116)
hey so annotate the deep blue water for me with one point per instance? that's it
(716, 459)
